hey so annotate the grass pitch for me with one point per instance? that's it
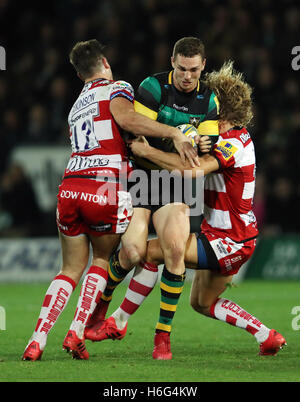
(204, 350)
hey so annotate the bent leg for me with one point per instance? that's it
(155, 253)
(205, 299)
(133, 250)
(207, 286)
(134, 240)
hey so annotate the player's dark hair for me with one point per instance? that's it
(86, 57)
(189, 47)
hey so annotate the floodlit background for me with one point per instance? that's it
(39, 86)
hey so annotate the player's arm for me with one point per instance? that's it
(172, 161)
(142, 121)
(125, 115)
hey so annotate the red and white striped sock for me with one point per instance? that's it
(91, 290)
(228, 311)
(56, 299)
(140, 286)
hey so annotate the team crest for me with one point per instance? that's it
(195, 121)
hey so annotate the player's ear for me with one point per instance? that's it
(203, 64)
(79, 76)
(105, 63)
(172, 61)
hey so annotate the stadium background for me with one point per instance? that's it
(36, 91)
(39, 86)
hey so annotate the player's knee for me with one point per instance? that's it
(174, 250)
(199, 307)
(135, 253)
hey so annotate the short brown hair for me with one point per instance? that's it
(86, 57)
(233, 93)
(189, 47)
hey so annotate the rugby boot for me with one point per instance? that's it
(98, 315)
(76, 346)
(107, 330)
(32, 352)
(91, 331)
(162, 346)
(272, 344)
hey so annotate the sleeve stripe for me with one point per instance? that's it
(138, 107)
(122, 93)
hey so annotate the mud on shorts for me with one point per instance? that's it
(223, 255)
(87, 206)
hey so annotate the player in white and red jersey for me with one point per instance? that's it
(229, 221)
(228, 233)
(93, 208)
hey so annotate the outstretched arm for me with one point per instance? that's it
(140, 125)
(172, 161)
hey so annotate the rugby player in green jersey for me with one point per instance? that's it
(172, 98)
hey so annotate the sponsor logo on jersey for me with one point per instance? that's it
(81, 162)
(226, 149)
(244, 137)
(181, 108)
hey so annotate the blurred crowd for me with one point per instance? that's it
(40, 85)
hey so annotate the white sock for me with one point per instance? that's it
(56, 299)
(91, 291)
(140, 286)
(228, 311)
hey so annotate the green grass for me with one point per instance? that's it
(204, 350)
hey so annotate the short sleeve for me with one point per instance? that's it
(226, 152)
(123, 89)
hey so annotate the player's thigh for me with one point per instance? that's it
(75, 255)
(103, 247)
(172, 224)
(206, 287)
(136, 234)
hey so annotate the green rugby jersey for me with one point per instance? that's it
(158, 99)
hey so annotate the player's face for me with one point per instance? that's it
(187, 71)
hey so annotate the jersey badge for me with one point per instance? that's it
(226, 149)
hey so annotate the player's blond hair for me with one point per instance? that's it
(233, 93)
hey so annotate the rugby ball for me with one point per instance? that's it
(190, 131)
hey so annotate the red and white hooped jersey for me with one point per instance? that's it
(95, 136)
(229, 192)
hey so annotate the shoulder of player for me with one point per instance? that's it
(150, 88)
(121, 84)
(155, 81)
(240, 135)
(233, 143)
